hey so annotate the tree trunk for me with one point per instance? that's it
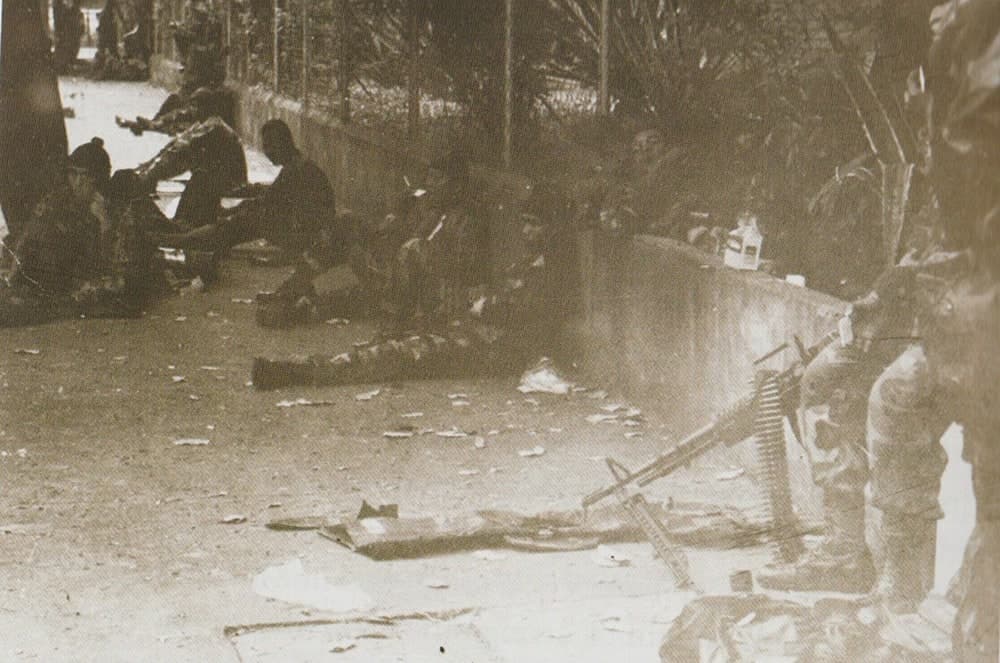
(32, 132)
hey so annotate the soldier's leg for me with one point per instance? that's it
(976, 633)
(455, 352)
(904, 432)
(835, 390)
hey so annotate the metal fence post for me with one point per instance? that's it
(413, 78)
(275, 52)
(344, 70)
(306, 55)
(508, 82)
(604, 99)
(229, 39)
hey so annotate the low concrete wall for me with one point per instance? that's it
(677, 332)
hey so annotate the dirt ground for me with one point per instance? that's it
(111, 541)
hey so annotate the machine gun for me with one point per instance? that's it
(759, 414)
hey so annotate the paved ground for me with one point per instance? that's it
(111, 545)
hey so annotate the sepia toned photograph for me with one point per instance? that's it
(500, 331)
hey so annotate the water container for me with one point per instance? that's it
(743, 244)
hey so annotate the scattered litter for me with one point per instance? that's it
(632, 423)
(616, 627)
(342, 646)
(452, 432)
(493, 432)
(274, 505)
(212, 314)
(190, 442)
(543, 378)
(303, 402)
(412, 415)
(480, 443)
(290, 583)
(633, 413)
(27, 351)
(194, 397)
(242, 300)
(555, 430)
(612, 407)
(209, 368)
(367, 395)
(436, 583)
(730, 474)
(598, 394)
(459, 403)
(532, 401)
(608, 557)
(559, 635)
(531, 453)
(453, 397)
(601, 418)
(233, 519)
(489, 555)
(338, 322)
(468, 473)
(177, 378)
(180, 318)
(221, 493)
(396, 434)
(22, 453)
(632, 433)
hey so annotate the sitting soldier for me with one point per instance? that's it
(496, 329)
(213, 153)
(60, 250)
(297, 213)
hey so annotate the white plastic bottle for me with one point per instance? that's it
(743, 244)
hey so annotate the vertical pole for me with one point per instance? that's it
(604, 99)
(413, 79)
(229, 39)
(274, 44)
(306, 54)
(508, 82)
(344, 71)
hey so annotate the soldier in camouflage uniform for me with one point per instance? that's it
(917, 395)
(212, 151)
(487, 329)
(62, 247)
(204, 103)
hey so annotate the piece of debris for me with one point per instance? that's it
(480, 443)
(632, 433)
(342, 646)
(436, 583)
(729, 475)
(459, 396)
(22, 453)
(180, 318)
(27, 351)
(234, 519)
(367, 395)
(532, 401)
(555, 430)
(598, 394)
(194, 397)
(290, 583)
(190, 442)
(601, 418)
(397, 434)
(209, 368)
(274, 505)
(459, 403)
(412, 415)
(544, 378)
(609, 557)
(177, 378)
(241, 300)
(338, 322)
(468, 473)
(612, 407)
(452, 432)
(305, 402)
(531, 453)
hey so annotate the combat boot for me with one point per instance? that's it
(840, 563)
(907, 573)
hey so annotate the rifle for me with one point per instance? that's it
(735, 424)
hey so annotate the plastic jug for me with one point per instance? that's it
(743, 244)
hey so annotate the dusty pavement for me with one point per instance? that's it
(111, 541)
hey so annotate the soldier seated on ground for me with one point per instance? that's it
(486, 329)
(60, 249)
(410, 264)
(212, 152)
(203, 104)
(297, 213)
